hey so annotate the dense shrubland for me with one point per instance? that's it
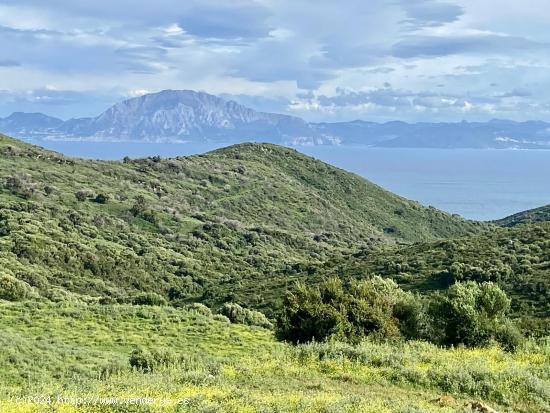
(145, 277)
(467, 313)
(516, 259)
(235, 225)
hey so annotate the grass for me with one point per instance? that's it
(66, 352)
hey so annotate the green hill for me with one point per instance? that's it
(517, 258)
(541, 214)
(237, 224)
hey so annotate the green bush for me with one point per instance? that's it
(148, 361)
(200, 309)
(474, 315)
(149, 299)
(81, 195)
(101, 198)
(239, 315)
(373, 307)
(12, 289)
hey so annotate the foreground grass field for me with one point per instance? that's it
(77, 358)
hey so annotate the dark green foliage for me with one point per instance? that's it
(468, 313)
(372, 307)
(150, 360)
(517, 259)
(101, 198)
(239, 315)
(149, 299)
(474, 314)
(526, 217)
(12, 289)
(237, 224)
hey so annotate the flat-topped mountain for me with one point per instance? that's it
(185, 115)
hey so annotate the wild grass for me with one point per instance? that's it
(76, 354)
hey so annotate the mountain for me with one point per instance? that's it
(541, 214)
(234, 224)
(30, 124)
(185, 115)
(181, 115)
(495, 134)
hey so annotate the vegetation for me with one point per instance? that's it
(162, 278)
(517, 259)
(467, 313)
(180, 360)
(236, 225)
(541, 214)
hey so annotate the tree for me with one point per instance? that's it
(372, 307)
(474, 314)
(101, 198)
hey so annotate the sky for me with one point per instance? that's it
(378, 60)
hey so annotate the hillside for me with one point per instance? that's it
(237, 224)
(517, 258)
(100, 359)
(541, 214)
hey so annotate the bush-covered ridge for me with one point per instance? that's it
(517, 259)
(234, 225)
(531, 216)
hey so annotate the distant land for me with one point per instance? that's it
(198, 117)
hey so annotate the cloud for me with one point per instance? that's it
(516, 93)
(382, 58)
(233, 20)
(422, 13)
(487, 43)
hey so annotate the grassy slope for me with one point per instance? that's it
(518, 258)
(83, 351)
(236, 224)
(541, 214)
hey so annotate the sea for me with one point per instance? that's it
(477, 184)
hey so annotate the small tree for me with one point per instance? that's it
(473, 314)
(101, 198)
(376, 306)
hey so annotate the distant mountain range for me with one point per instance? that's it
(184, 115)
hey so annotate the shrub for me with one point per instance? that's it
(149, 299)
(82, 195)
(373, 307)
(12, 289)
(239, 315)
(148, 361)
(474, 314)
(221, 317)
(200, 308)
(101, 198)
